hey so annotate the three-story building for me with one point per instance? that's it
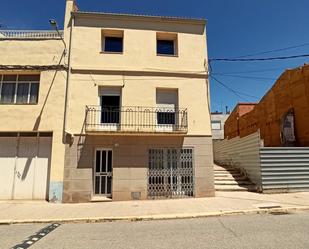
(135, 108)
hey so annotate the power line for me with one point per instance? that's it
(237, 93)
(244, 77)
(230, 89)
(260, 59)
(254, 71)
(272, 51)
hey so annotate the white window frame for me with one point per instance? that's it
(216, 122)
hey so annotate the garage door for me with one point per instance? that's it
(24, 164)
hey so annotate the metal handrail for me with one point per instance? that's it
(136, 119)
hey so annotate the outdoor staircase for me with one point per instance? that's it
(228, 178)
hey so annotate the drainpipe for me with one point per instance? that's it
(64, 140)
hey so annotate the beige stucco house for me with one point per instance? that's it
(32, 88)
(125, 113)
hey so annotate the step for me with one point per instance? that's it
(228, 174)
(224, 167)
(239, 183)
(227, 170)
(219, 168)
(234, 188)
(233, 180)
(230, 190)
(230, 177)
(224, 170)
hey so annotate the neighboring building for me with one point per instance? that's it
(231, 127)
(217, 125)
(282, 114)
(32, 87)
(136, 118)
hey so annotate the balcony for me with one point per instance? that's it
(133, 119)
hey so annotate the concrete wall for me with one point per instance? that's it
(31, 51)
(139, 44)
(130, 164)
(138, 70)
(218, 134)
(139, 91)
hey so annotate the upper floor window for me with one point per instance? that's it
(110, 98)
(19, 89)
(167, 44)
(167, 103)
(215, 124)
(112, 41)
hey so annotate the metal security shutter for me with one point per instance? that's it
(24, 162)
(170, 173)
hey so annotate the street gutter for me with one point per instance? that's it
(285, 210)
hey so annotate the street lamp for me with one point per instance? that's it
(54, 25)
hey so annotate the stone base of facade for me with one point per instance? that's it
(130, 165)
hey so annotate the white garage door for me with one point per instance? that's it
(24, 164)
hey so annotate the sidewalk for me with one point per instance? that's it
(224, 203)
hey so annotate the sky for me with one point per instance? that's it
(234, 28)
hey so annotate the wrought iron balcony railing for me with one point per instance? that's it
(135, 119)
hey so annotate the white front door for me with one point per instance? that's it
(103, 170)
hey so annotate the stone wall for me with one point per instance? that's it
(130, 164)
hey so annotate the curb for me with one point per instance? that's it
(157, 217)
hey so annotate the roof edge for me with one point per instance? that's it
(199, 21)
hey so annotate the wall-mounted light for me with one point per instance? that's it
(54, 25)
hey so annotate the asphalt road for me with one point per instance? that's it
(246, 231)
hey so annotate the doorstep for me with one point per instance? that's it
(100, 199)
